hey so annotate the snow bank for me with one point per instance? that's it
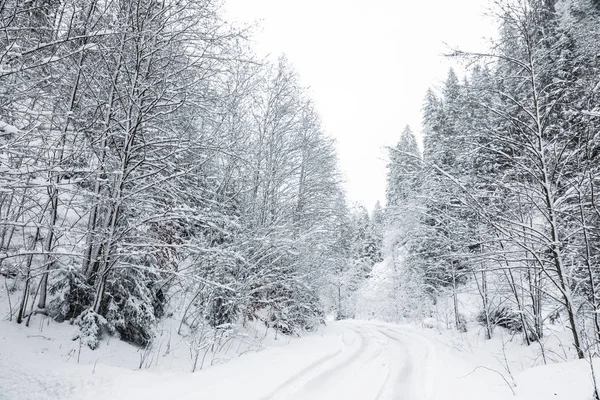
(564, 381)
(471, 367)
(42, 363)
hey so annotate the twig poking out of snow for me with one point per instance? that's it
(493, 370)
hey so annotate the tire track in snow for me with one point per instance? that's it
(388, 376)
(364, 363)
(329, 373)
(423, 371)
(296, 380)
(398, 383)
(387, 364)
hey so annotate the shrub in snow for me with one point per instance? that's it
(223, 309)
(73, 296)
(300, 312)
(429, 323)
(461, 323)
(341, 315)
(504, 317)
(92, 327)
(132, 305)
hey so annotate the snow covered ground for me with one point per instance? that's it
(345, 360)
(503, 368)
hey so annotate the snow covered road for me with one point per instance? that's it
(373, 362)
(346, 360)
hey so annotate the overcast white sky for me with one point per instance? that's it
(368, 65)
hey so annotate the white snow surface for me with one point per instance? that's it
(345, 360)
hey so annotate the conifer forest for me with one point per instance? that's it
(158, 175)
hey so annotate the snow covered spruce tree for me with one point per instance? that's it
(447, 234)
(409, 295)
(150, 166)
(536, 137)
(403, 169)
(509, 175)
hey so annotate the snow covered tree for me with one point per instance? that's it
(403, 169)
(507, 179)
(146, 154)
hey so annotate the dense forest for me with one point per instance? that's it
(171, 200)
(503, 200)
(151, 166)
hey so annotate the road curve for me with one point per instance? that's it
(376, 361)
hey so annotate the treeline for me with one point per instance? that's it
(505, 195)
(150, 164)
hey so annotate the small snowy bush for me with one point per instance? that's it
(131, 306)
(73, 296)
(222, 309)
(92, 327)
(504, 317)
(429, 323)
